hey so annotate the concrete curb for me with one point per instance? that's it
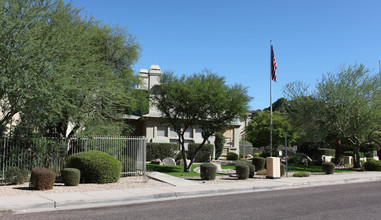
(51, 202)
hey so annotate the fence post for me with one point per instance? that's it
(4, 159)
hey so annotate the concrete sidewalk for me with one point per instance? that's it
(180, 189)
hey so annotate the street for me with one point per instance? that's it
(349, 201)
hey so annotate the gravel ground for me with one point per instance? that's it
(123, 183)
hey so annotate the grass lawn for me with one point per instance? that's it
(313, 169)
(178, 170)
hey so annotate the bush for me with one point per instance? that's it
(15, 175)
(326, 151)
(179, 155)
(310, 149)
(242, 171)
(256, 154)
(208, 171)
(203, 155)
(301, 174)
(259, 163)
(70, 176)
(95, 166)
(42, 179)
(265, 154)
(328, 167)
(161, 150)
(295, 160)
(128, 163)
(372, 165)
(282, 169)
(232, 156)
(219, 143)
(251, 167)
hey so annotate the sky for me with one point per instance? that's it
(232, 38)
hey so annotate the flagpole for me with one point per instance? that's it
(271, 103)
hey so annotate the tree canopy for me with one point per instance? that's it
(201, 100)
(345, 106)
(58, 67)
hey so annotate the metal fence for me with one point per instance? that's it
(51, 152)
(246, 149)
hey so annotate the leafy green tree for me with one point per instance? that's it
(344, 107)
(258, 130)
(219, 143)
(59, 69)
(200, 100)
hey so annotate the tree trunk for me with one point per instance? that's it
(356, 159)
(338, 153)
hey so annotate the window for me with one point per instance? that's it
(198, 133)
(173, 133)
(162, 131)
(188, 133)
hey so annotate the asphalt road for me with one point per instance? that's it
(350, 201)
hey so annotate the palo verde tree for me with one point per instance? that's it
(200, 100)
(345, 106)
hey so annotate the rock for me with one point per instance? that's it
(157, 161)
(181, 162)
(249, 156)
(169, 161)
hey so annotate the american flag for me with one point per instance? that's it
(273, 64)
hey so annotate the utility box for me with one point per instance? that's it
(273, 168)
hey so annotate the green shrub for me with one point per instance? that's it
(42, 179)
(15, 175)
(179, 155)
(70, 176)
(328, 167)
(301, 174)
(161, 150)
(265, 154)
(208, 171)
(242, 171)
(259, 163)
(128, 163)
(251, 167)
(95, 166)
(326, 151)
(282, 169)
(372, 165)
(219, 143)
(232, 156)
(203, 155)
(295, 160)
(256, 154)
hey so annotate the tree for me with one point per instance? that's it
(344, 107)
(200, 100)
(219, 143)
(258, 130)
(59, 69)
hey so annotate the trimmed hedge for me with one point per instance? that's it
(232, 156)
(70, 176)
(42, 179)
(208, 171)
(242, 171)
(259, 163)
(95, 166)
(372, 165)
(202, 155)
(328, 167)
(15, 175)
(301, 174)
(326, 151)
(161, 150)
(251, 167)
